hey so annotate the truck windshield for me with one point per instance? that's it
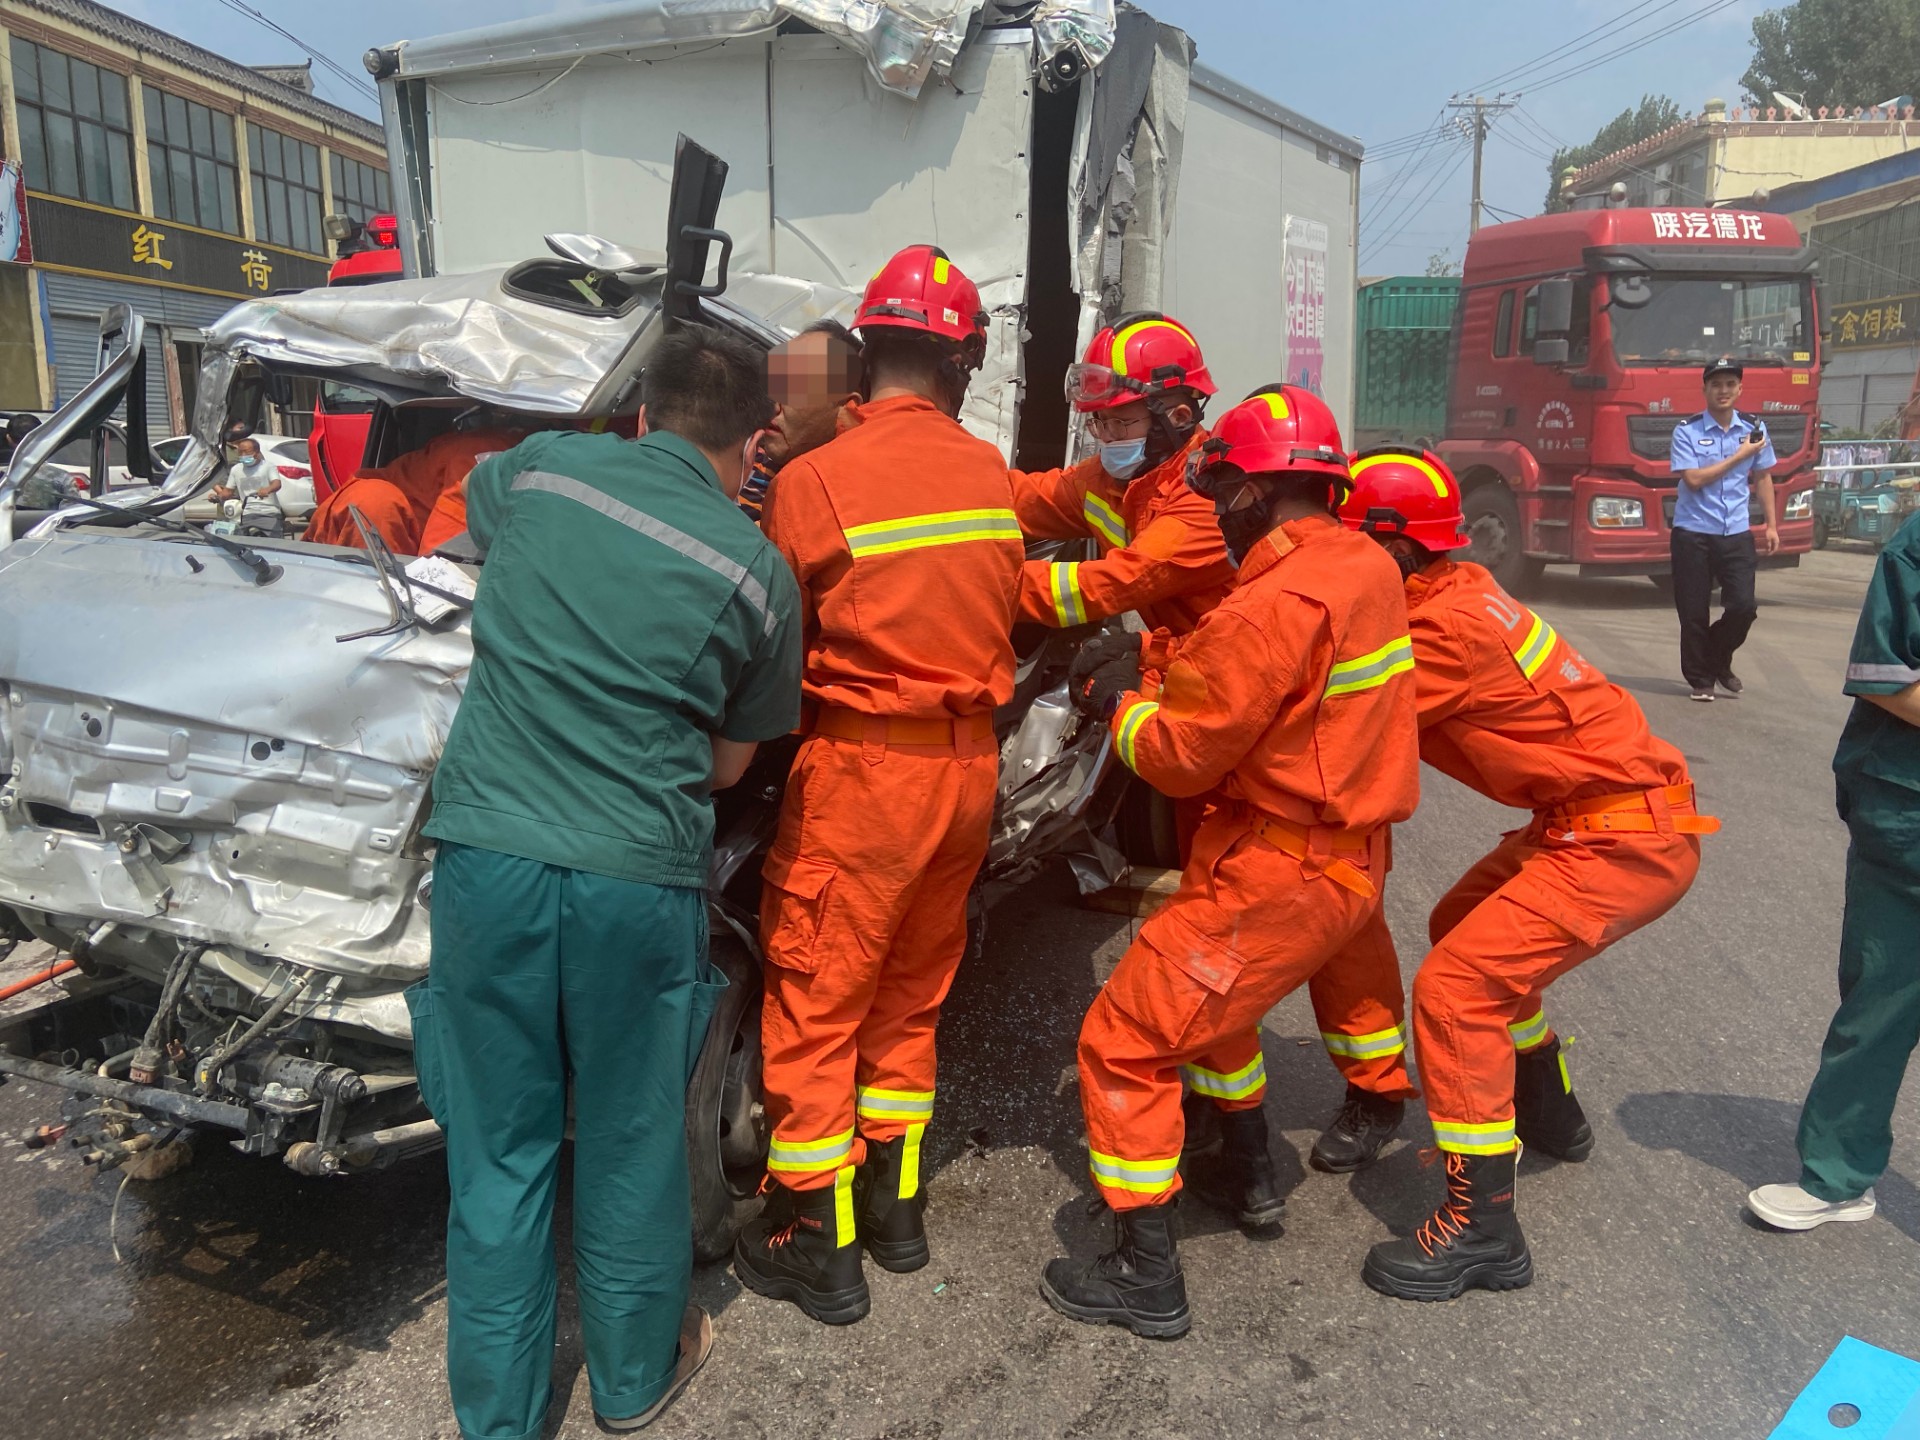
(1691, 321)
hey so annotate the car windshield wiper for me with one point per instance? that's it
(264, 572)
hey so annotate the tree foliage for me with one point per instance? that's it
(1442, 263)
(1836, 52)
(1632, 125)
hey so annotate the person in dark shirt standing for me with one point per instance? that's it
(635, 636)
(1719, 457)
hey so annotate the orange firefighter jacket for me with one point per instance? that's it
(397, 499)
(1161, 552)
(1511, 709)
(902, 533)
(1295, 695)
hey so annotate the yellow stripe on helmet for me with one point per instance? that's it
(1413, 462)
(1121, 338)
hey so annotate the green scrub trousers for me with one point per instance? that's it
(1846, 1126)
(543, 975)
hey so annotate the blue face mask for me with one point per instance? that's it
(1122, 459)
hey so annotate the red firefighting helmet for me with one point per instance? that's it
(921, 289)
(1277, 429)
(1137, 356)
(1405, 492)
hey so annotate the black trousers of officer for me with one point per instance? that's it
(1699, 563)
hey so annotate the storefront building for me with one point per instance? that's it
(161, 175)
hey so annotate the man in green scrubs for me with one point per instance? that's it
(1846, 1126)
(634, 637)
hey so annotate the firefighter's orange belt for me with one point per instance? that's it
(1636, 810)
(967, 735)
(1299, 841)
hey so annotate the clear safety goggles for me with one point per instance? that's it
(1099, 385)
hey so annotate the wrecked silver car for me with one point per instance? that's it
(218, 754)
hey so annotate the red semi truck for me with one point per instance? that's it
(369, 254)
(1577, 347)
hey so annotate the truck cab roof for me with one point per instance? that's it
(1549, 243)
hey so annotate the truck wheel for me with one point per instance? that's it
(1493, 522)
(726, 1125)
(1819, 533)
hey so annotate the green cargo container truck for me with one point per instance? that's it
(1400, 362)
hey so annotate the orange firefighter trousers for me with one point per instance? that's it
(863, 923)
(1544, 901)
(1248, 925)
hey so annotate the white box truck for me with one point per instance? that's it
(1073, 159)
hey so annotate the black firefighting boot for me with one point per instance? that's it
(812, 1259)
(1137, 1284)
(1240, 1177)
(1472, 1241)
(1546, 1114)
(890, 1223)
(1358, 1133)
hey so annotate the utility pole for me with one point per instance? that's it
(1481, 125)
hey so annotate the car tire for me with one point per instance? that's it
(1492, 519)
(726, 1124)
(1820, 536)
(1146, 828)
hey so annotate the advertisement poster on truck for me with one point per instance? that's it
(1306, 270)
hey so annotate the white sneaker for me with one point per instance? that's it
(1788, 1207)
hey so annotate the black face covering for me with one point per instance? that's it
(1411, 562)
(1242, 528)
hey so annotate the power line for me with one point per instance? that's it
(1374, 246)
(1392, 202)
(1410, 166)
(1558, 53)
(355, 82)
(1703, 13)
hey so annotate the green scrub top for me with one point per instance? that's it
(628, 611)
(1877, 746)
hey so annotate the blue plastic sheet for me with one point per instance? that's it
(1883, 1388)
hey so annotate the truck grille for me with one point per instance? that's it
(1652, 435)
(1755, 515)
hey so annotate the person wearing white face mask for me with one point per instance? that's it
(1143, 387)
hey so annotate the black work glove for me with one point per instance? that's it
(1102, 649)
(1101, 691)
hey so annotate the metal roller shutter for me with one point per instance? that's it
(75, 302)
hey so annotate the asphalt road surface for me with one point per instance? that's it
(252, 1305)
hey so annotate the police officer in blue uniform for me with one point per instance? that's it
(1719, 457)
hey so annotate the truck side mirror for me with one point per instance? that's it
(1555, 307)
(1550, 352)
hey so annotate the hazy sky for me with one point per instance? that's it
(1380, 70)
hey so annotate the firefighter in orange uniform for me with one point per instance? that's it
(903, 535)
(1143, 386)
(399, 500)
(1293, 701)
(1510, 709)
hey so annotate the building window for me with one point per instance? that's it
(75, 135)
(286, 190)
(360, 192)
(190, 159)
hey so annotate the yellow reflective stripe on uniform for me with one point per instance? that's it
(910, 1162)
(1369, 672)
(1063, 583)
(1142, 1177)
(1249, 1079)
(1104, 521)
(843, 1227)
(1390, 1041)
(1529, 1033)
(915, 532)
(810, 1155)
(1135, 715)
(877, 1104)
(1534, 650)
(1492, 1139)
